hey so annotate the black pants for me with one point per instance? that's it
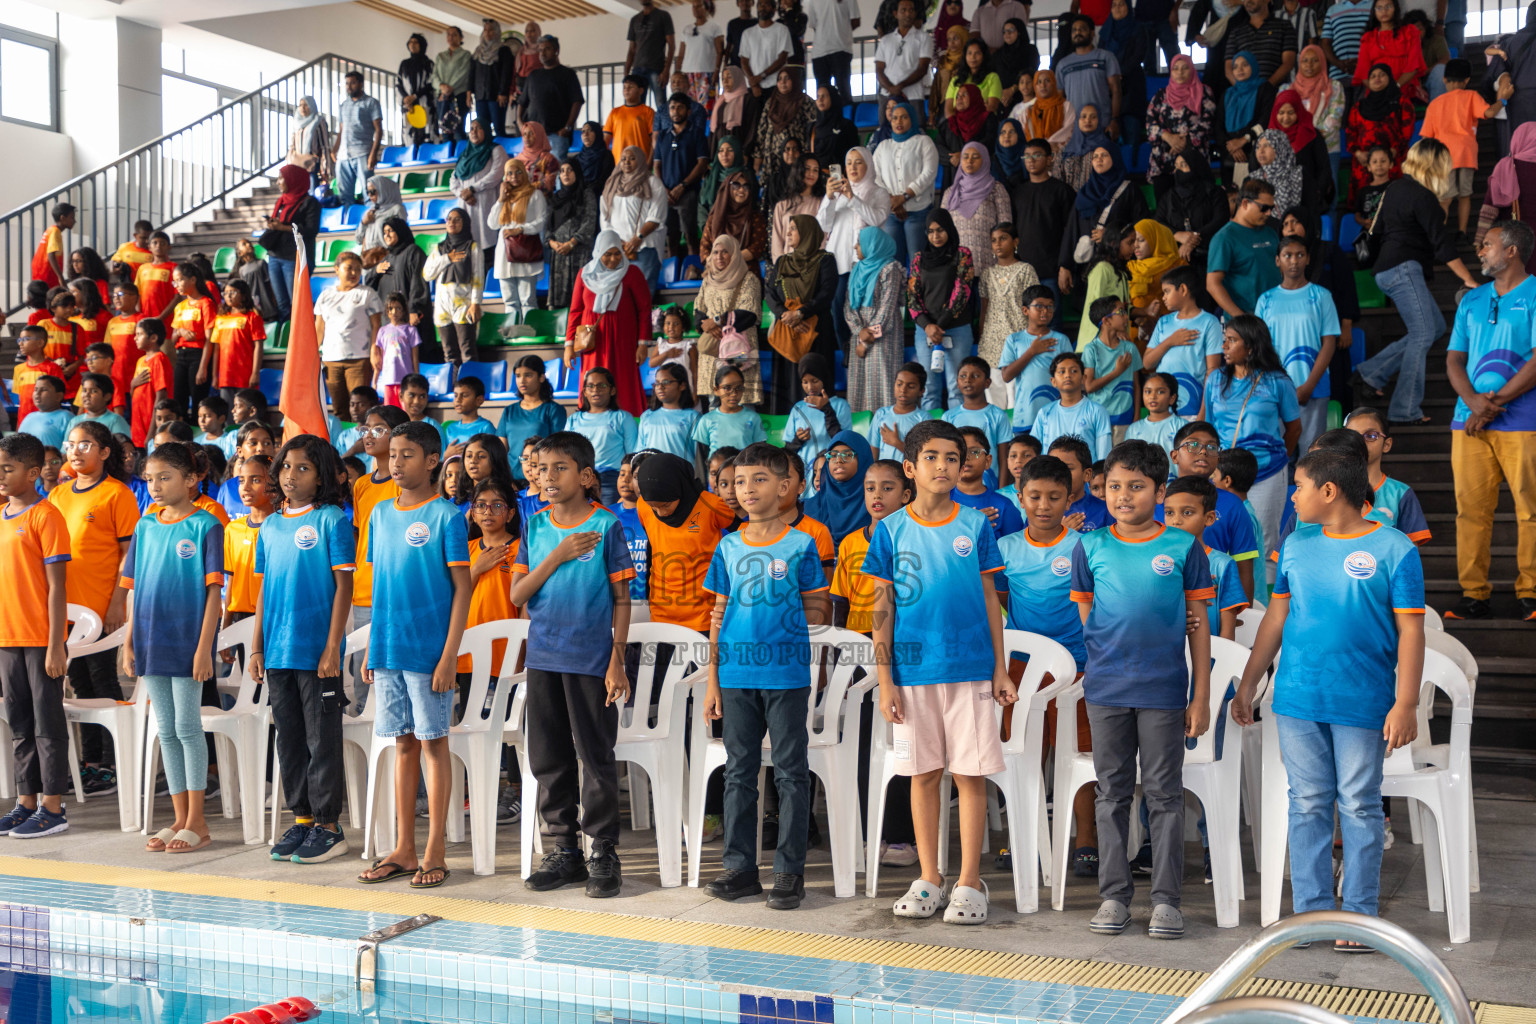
(186, 392)
(95, 675)
(459, 342)
(568, 722)
(836, 68)
(683, 223)
(307, 713)
(34, 704)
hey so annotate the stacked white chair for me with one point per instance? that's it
(124, 722)
(1428, 753)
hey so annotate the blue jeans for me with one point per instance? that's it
(1404, 359)
(489, 112)
(909, 235)
(559, 145)
(1328, 765)
(281, 272)
(608, 480)
(658, 80)
(650, 265)
(949, 379)
(1434, 82)
(747, 716)
(408, 706)
(351, 174)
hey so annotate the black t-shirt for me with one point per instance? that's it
(733, 30)
(1040, 213)
(649, 34)
(548, 94)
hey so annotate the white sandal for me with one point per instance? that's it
(922, 899)
(967, 905)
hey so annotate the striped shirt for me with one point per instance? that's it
(1269, 42)
(1342, 27)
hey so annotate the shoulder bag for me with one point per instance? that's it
(1368, 244)
(1083, 251)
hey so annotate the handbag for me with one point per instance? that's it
(792, 341)
(1083, 251)
(733, 344)
(1368, 244)
(585, 340)
(524, 249)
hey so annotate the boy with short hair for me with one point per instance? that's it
(1452, 118)
(1194, 454)
(1027, 354)
(1072, 413)
(1085, 511)
(31, 342)
(349, 442)
(418, 546)
(1349, 595)
(415, 395)
(634, 530)
(936, 696)
(973, 379)
(972, 489)
(1186, 341)
(152, 377)
(99, 358)
(65, 339)
(468, 396)
(1235, 472)
(1110, 363)
(630, 124)
(94, 398)
(1189, 504)
(758, 681)
(1159, 424)
(157, 292)
(572, 576)
(1392, 501)
(794, 510)
(134, 253)
(125, 352)
(890, 423)
(48, 421)
(212, 424)
(34, 554)
(1304, 325)
(1136, 584)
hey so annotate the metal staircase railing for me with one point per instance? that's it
(181, 172)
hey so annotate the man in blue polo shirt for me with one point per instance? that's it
(680, 159)
(1494, 426)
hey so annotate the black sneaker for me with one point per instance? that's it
(562, 867)
(320, 845)
(788, 890)
(735, 883)
(287, 846)
(1472, 608)
(604, 876)
(1528, 609)
(211, 787)
(1142, 863)
(98, 780)
(14, 817)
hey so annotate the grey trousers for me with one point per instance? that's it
(34, 704)
(1119, 735)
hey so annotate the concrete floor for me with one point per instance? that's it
(1495, 966)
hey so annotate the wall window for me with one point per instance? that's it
(29, 85)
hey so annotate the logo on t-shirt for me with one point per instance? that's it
(1061, 565)
(1385, 513)
(1360, 564)
(962, 546)
(185, 548)
(586, 556)
(417, 534)
(778, 568)
(1163, 565)
(307, 537)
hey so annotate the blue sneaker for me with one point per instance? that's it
(43, 822)
(294, 838)
(320, 844)
(16, 816)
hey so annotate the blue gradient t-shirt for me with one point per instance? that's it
(1495, 332)
(764, 636)
(1188, 363)
(169, 567)
(1298, 320)
(570, 626)
(413, 550)
(296, 556)
(1040, 588)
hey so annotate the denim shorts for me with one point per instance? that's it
(407, 706)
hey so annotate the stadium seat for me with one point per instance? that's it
(439, 380)
(492, 375)
(427, 241)
(224, 259)
(489, 330)
(277, 337)
(333, 218)
(492, 288)
(417, 183)
(1349, 230)
(866, 115)
(272, 385)
(1371, 297)
(335, 247)
(393, 156)
(773, 426)
(647, 376)
(1356, 346)
(566, 382)
(435, 211)
(319, 283)
(547, 323)
(354, 214)
(428, 153)
(542, 286)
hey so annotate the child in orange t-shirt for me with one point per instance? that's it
(64, 345)
(32, 342)
(157, 292)
(491, 557)
(152, 379)
(631, 124)
(125, 350)
(684, 523)
(1452, 118)
(234, 342)
(135, 253)
(257, 491)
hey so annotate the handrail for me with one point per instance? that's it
(1326, 925)
(1263, 1010)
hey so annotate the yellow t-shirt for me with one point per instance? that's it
(850, 583)
(239, 563)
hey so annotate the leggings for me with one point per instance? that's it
(179, 722)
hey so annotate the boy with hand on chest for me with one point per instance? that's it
(1085, 512)
(1027, 354)
(972, 490)
(1186, 341)
(1111, 362)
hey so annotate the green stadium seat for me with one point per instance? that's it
(417, 183)
(278, 338)
(427, 241)
(774, 426)
(490, 328)
(547, 323)
(1371, 297)
(224, 259)
(861, 421)
(1335, 415)
(334, 248)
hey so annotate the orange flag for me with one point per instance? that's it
(302, 407)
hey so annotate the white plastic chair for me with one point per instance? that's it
(1022, 780)
(1215, 782)
(125, 722)
(832, 751)
(1248, 625)
(1432, 620)
(1428, 753)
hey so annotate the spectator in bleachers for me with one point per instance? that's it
(347, 316)
(632, 123)
(788, 113)
(520, 215)
(384, 203)
(1017, 56)
(731, 298)
(970, 123)
(872, 312)
(651, 45)
(950, 60)
(1387, 40)
(476, 178)
(832, 23)
(253, 272)
(295, 208)
(1268, 36)
(594, 158)
(1246, 105)
(1180, 119)
(400, 271)
(1504, 69)
(538, 156)
(736, 214)
(806, 276)
(765, 48)
(490, 78)
(572, 229)
(1074, 165)
(736, 109)
(48, 260)
(680, 161)
(1515, 170)
(806, 199)
(1090, 76)
(792, 17)
(610, 315)
(951, 17)
(907, 166)
(1276, 164)
(991, 18)
(1382, 116)
(1323, 98)
(635, 206)
(853, 202)
(746, 17)
(528, 53)
(413, 83)
(833, 134)
(1193, 206)
(310, 144)
(1050, 113)
(450, 77)
(551, 96)
(359, 140)
(729, 158)
(1042, 205)
(902, 59)
(978, 202)
(699, 51)
(458, 267)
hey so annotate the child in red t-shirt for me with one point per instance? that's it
(32, 341)
(152, 380)
(125, 350)
(234, 342)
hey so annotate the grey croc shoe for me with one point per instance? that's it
(1111, 919)
(1166, 923)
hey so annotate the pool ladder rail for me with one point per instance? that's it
(1215, 1001)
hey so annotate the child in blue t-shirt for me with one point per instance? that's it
(1021, 449)
(769, 591)
(1304, 326)
(534, 414)
(1392, 501)
(305, 556)
(1159, 424)
(1195, 452)
(1027, 355)
(668, 424)
(572, 576)
(1190, 505)
(972, 490)
(1073, 414)
(1137, 583)
(611, 431)
(973, 379)
(816, 418)
(418, 545)
(1085, 511)
(890, 423)
(1349, 594)
(1186, 342)
(468, 396)
(1110, 363)
(940, 660)
(730, 425)
(634, 531)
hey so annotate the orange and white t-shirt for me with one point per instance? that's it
(849, 583)
(367, 493)
(25, 379)
(239, 565)
(30, 540)
(234, 337)
(130, 253)
(100, 519)
(679, 561)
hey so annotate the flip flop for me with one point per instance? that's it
(194, 841)
(395, 871)
(430, 885)
(1352, 948)
(162, 837)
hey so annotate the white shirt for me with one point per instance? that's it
(902, 54)
(913, 164)
(698, 42)
(762, 46)
(842, 218)
(831, 25)
(631, 212)
(348, 331)
(538, 215)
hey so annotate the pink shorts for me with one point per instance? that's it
(948, 725)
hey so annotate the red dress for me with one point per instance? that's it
(1391, 132)
(618, 332)
(1402, 51)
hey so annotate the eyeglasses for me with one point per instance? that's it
(1373, 436)
(376, 431)
(842, 457)
(1044, 307)
(976, 453)
(83, 447)
(1263, 207)
(731, 389)
(1035, 155)
(1196, 447)
(491, 507)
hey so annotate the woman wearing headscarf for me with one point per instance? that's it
(611, 310)
(872, 312)
(978, 202)
(1317, 179)
(528, 54)
(491, 74)
(1275, 163)
(1008, 164)
(309, 146)
(295, 208)
(400, 271)
(384, 202)
(735, 111)
(538, 157)
(519, 217)
(1383, 116)
(951, 17)
(833, 135)
(1513, 176)
(839, 504)
(939, 286)
(594, 158)
(1323, 98)
(1156, 253)
(457, 264)
(950, 57)
(1074, 163)
(413, 82)
(971, 122)
(476, 178)
(730, 299)
(736, 213)
(788, 113)
(635, 205)
(907, 166)
(572, 230)
(1513, 67)
(806, 198)
(684, 522)
(853, 203)
(1051, 113)
(1179, 119)
(1245, 107)
(729, 158)
(1017, 56)
(802, 284)
(1127, 39)
(1195, 207)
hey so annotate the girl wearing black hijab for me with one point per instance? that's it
(413, 82)
(833, 135)
(939, 296)
(594, 158)
(1195, 208)
(1017, 55)
(683, 522)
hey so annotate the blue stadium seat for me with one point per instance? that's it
(647, 376)
(1327, 229)
(492, 286)
(542, 288)
(840, 372)
(354, 214)
(766, 367)
(1357, 346)
(435, 211)
(430, 153)
(566, 383)
(319, 283)
(393, 156)
(512, 146)
(575, 143)
(492, 375)
(272, 385)
(866, 115)
(1349, 230)
(333, 218)
(439, 380)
